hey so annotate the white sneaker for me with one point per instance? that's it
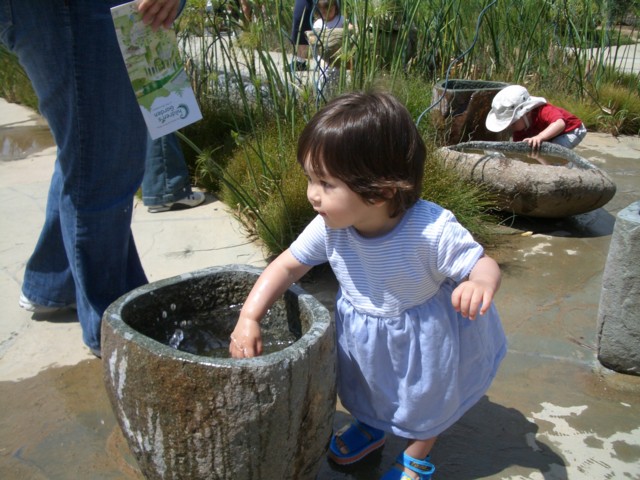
(29, 306)
(193, 200)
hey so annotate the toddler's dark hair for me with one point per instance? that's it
(370, 142)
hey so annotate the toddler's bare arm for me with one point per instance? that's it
(246, 340)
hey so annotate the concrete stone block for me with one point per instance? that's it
(618, 325)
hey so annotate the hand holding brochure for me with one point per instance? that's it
(156, 71)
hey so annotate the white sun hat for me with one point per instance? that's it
(509, 105)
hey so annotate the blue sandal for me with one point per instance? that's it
(358, 439)
(423, 468)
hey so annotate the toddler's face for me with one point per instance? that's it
(518, 125)
(327, 13)
(332, 199)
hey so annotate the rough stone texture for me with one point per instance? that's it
(193, 417)
(462, 109)
(547, 191)
(619, 313)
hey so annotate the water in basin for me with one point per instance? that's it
(532, 158)
(206, 333)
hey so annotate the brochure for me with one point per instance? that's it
(156, 71)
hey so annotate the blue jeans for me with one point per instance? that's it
(85, 253)
(302, 18)
(166, 177)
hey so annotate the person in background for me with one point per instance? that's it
(419, 340)
(533, 120)
(328, 16)
(166, 184)
(326, 39)
(302, 11)
(233, 8)
(85, 257)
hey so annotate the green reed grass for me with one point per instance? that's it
(15, 86)
(400, 45)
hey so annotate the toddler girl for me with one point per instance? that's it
(418, 338)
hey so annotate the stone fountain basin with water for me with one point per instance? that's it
(186, 415)
(566, 185)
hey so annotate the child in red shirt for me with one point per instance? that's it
(532, 119)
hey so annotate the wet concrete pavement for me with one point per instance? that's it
(552, 413)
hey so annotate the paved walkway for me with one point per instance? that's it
(169, 243)
(552, 412)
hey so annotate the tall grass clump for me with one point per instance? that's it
(15, 86)
(620, 110)
(267, 188)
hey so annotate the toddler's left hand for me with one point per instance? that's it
(534, 142)
(470, 296)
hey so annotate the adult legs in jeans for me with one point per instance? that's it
(302, 13)
(166, 177)
(85, 253)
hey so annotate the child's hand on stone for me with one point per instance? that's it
(534, 142)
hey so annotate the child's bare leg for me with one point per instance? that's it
(302, 51)
(418, 449)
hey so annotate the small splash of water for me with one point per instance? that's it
(176, 338)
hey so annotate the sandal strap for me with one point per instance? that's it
(353, 442)
(362, 428)
(424, 468)
(365, 429)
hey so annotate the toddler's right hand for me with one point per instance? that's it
(246, 340)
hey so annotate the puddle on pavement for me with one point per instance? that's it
(59, 425)
(20, 142)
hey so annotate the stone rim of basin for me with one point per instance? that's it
(544, 191)
(523, 147)
(113, 316)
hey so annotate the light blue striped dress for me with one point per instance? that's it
(408, 363)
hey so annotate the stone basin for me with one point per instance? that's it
(569, 186)
(462, 107)
(190, 416)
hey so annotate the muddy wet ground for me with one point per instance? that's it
(552, 412)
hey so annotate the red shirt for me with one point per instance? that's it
(544, 115)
